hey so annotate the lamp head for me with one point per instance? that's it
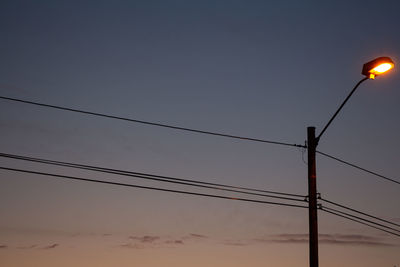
(377, 66)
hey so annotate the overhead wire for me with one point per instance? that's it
(149, 122)
(360, 218)
(359, 168)
(359, 212)
(67, 177)
(195, 131)
(358, 221)
(326, 209)
(193, 182)
(161, 178)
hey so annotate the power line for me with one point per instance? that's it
(143, 176)
(149, 188)
(359, 212)
(149, 123)
(359, 218)
(153, 177)
(358, 221)
(360, 168)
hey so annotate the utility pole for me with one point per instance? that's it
(312, 143)
(370, 69)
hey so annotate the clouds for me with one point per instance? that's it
(324, 239)
(44, 239)
(35, 246)
(145, 239)
(330, 239)
(196, 236)
(175, 242)
(151, 241)
(156, 241)
(51, 246)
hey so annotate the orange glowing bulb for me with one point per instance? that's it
(382, 68)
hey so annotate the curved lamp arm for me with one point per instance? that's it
(341, 106)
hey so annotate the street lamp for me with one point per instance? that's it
(377, 66)
(370, 69)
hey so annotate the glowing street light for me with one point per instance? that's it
(370, 69)
(377, 66)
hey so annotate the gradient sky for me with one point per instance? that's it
(262, 69)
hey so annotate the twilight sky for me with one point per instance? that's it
(262, 69)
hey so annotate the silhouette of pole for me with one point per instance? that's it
(370, 70)
(312, 143)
